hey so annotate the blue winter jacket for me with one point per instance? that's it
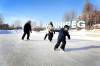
(63, 34)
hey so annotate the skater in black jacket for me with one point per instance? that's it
(27, 30)
(62, 37)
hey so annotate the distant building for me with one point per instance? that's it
(4, 26)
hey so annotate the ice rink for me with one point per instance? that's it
(80, 51)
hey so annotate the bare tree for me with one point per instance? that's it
(69, 17)
(87, 15)
(17, 24)
(34, 24)
(1, 19)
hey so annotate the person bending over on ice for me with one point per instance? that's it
(62, 37)
(27, 30)
(50, 29)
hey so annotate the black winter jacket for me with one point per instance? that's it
(27, 28)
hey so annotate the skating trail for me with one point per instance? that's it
(37, 52)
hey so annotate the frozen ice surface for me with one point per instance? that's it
(37, 52)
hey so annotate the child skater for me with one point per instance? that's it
(50, 33)
(62, 37)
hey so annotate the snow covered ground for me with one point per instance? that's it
(80, 50)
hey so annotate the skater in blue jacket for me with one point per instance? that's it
(62, 37)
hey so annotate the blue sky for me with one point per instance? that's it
(40, 10)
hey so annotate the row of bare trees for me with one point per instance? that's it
(91, 15)
(5, 26)
(17, 24)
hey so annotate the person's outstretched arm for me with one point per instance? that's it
(56, 30)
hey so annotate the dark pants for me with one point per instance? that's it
(58, 44)
(26, 33)
(50, 36)
(45, 36)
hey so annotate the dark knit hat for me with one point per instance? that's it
(66, 26)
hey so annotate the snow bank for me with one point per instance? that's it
(10, 31)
